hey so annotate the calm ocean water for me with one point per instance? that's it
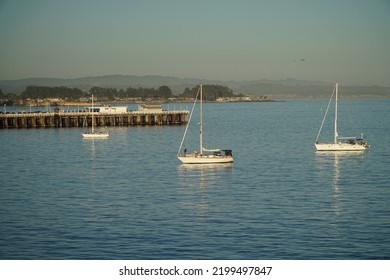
(128, 197)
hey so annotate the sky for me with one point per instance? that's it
(314, 40)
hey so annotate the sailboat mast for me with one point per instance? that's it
(335, 115)
(200, 124)
(92, 114)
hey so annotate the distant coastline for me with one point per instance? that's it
(274, 89)
(150, 101)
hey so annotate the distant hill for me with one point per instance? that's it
(276, 89)
(114, 81)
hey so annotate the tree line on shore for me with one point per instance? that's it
(210, 93)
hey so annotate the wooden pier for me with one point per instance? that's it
(84, 119)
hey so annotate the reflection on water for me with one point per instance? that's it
(339, 169)
(201, 175)
(93, 151)
(195, 183)
(90, 142)
(336, 160)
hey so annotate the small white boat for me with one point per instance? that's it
(204, 156)
(93, 134)
(340, 143)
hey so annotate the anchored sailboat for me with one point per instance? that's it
(340, 143)
(93, 134)
(204, 156)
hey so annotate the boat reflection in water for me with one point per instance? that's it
(328, 160)
(195, 183)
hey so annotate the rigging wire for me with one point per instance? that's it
(326, 112)
(188, 124)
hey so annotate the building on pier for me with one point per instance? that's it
(108, 109)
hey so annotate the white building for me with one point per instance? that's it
(108, 109)
(150, 108)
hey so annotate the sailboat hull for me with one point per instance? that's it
(205, 159)
(340, 147)
(95, 135)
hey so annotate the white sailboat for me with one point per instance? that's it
(93, 134)
(204, 156)
(340, 143)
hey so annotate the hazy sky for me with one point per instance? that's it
(345, 40)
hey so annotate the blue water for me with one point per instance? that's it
(128, 197)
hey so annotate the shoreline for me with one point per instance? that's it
(139, 102)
